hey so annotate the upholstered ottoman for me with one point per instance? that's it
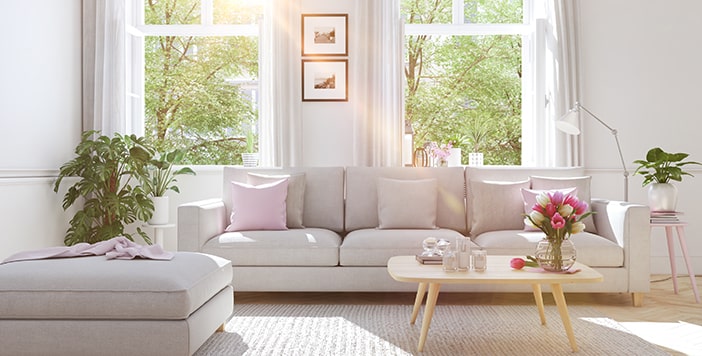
(95, 306)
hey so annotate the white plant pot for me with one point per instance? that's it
(454, 158)
(161, 213)
(662, 197)
(250, 159)
(475, 159)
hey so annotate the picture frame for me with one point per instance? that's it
(325, 34)
(325, 80)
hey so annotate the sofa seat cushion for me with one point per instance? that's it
(96, 288)
(294, 247)
(592, 250)
(374, 247)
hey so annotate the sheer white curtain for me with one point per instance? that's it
(280, 135)
(562, 76)
(104, 99)
(377, 83)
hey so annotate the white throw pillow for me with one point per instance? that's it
(496, 206)
(295, 201)
(529, 196)
(407, 204)
(582, 184)
(259, 207)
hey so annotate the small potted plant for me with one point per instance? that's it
(161, 178)
(250, 157)
(659, 169)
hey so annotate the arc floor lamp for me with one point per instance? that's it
(570, 124)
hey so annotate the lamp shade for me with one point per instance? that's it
(569, 123)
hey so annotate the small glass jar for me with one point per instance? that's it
(449, 260)
(479, 260)
(463, 254)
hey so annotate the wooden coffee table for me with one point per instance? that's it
(407, 269)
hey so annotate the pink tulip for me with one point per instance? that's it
(517, 263)
(557, 222)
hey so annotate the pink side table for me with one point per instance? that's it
(680, 228)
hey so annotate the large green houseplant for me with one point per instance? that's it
(106, 169)
(659, 169)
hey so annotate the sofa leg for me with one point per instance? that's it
(637, 299)
(220, 329)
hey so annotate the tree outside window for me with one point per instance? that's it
(464, 87)
(200, 91)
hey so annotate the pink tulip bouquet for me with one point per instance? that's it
(558, 215)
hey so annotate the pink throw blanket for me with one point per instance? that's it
(118, 247)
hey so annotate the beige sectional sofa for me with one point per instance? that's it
(353, 219)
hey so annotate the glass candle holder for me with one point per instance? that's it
(479, 260)
(463, 254)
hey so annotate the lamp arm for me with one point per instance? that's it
(619, 149)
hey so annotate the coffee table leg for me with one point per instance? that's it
(539, 302)
(428, 313)
(557, 292)
(418, 301)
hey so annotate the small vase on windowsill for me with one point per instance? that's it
(250, 159)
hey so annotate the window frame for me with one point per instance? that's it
(532, 37)
(136, 33)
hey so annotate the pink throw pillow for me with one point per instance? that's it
(529, 196)
(260, 207)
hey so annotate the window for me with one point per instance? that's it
(193, 76)
(465, 76)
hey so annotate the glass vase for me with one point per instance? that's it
(555, 255)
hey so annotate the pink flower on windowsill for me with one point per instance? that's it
(440, 152)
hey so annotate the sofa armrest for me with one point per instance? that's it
(628, 225)
(198, 222)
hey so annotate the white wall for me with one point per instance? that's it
(640, 68)
(641, 73)
(328, 127)
(40, 110)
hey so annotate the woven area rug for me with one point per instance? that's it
(261, 329)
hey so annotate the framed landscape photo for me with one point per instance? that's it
(325, 80)
(325, 34)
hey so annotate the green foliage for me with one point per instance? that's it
(197, 88)
(105, 168)
(466, 86)
(161, 175)
(662, 167)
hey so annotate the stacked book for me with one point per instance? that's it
(429, 260)
(665, 217)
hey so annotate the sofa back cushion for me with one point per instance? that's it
(508, 174)
(323, 205)
(362, 194)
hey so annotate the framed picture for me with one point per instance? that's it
(325, 34)
(325, 80)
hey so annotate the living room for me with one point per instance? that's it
(638, 71)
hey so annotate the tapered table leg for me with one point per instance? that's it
(539, 302)
(557, 292)
(683, 247)
(421, 289)
(428, 313)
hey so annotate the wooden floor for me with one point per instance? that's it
(661, 305)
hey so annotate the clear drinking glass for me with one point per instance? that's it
(450, 260)
(463, 254)
(479, 260)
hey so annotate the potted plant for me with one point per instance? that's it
(161, 178)
(106, 169)
(456, 141)
(658, 169)
(250, 157)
